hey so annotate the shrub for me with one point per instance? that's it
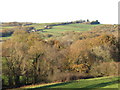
(105, 69)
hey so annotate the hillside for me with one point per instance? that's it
(59, 52)
(102, 82)
(56, 28)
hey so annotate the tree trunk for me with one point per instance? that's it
(17, 81)
(10, 81)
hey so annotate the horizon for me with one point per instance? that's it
(51, 11)
(49, 22)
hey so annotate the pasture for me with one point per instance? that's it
(60, 29)
(71, 27)
(56, 30)
(101, 82)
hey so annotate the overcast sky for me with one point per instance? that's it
(44, 11)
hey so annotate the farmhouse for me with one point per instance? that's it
(47, 27)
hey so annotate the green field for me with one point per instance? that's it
(71, 27)
(58, 30)
(8, 27)
(5, 38)
(102, 82)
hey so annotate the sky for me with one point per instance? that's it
(46, 11)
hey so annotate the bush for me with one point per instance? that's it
(105, 69)
(95, 22)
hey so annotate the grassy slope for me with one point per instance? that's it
(102, 82)
(70, 27)
(57, 30)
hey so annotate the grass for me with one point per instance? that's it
(71, 27)
(57, 31)
(41, 25)
(3, 28)
(5, 38)
(102, 82)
